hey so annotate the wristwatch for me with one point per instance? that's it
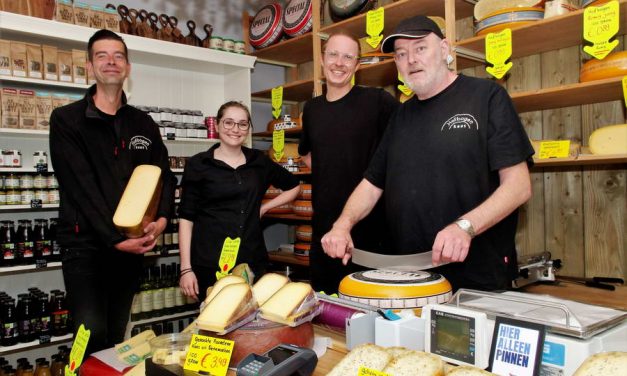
(466, 225)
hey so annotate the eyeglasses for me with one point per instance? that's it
(230, 123)
(334, 56)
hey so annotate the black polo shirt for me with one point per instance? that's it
(225, 202)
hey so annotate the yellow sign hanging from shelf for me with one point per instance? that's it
(78, 350)
(600, 24)
(277, 101)
(374, 26)
(498, 48)
(625, 89)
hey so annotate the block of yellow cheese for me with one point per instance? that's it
(609, 140)
(288, 304)
(227, 307)
(220, 284)
(139, 202)
(267, 286)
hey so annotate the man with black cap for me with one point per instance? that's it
(452, 166)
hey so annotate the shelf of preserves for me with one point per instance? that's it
(606, 90)
(165, 317)
(9, 208)
(23, 170)
(564, 31)
(29, 268)
(5, 350)
(34, 81)
(286, 258)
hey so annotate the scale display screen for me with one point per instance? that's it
(453, 336)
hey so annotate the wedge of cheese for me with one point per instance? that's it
(285, 305)
(222, 283)
(267, 286)
(139, 202)
(609, 140)
(230, 304)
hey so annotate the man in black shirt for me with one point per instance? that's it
(95, 144)
(452, 166)
(341, 131)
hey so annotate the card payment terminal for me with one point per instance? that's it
(282, 360)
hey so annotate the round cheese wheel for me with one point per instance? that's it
(485, 8)
(609, 140)
(303, 208)
(509, 18)
(302, 249)
(297, 18)
(396, 289)
(305, 192)
(282, 209)
(593, 3)
(614, 65)
(272, 192)
(261, 335)
(341, 9)
(304, 233)
(267, 26)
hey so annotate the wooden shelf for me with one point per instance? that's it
(288, 132)
(606, 90)
(291, 217)
(5, 350)
(288, 52)
(20, 269)
(40, 82)
(27, 207)
(397, 11)
(286, 258)
(541, 36)
(297, 91)
(581, 160)
(378, 74)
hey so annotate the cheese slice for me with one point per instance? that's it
(267, 286)
(222, 283)
(283, 306)
(139, 202)
(231, 303)
(609, 140)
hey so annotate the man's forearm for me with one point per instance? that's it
(359, 205)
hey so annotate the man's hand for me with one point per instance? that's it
(137, 245)
(338, 243)
(451, 245)
(156, 228)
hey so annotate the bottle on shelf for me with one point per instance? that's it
(8, 243)
(43, 369)
(158, 292)
(179, 299)
(24, 318)
(175, 234)
(146, 295)
(169, 302)
(57, 368)
(42, 310)
(25, 244)
(43, 249)
(59, 313)
(10, 332)
(167, 237)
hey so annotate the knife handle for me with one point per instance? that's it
(600, 285)
(608, 280)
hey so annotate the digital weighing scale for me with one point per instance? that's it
(461, 330)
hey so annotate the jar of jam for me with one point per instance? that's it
(15, 158)
(42, 195)
(25, 249)
(53, 196)
(3, 197)
(11, 181)
(52, 181)
(27, 195)
(40, 158)
(14, 196)
(26, 181)
(40, 181)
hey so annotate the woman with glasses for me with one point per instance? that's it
(221, 204)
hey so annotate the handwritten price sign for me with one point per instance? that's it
(208, 354)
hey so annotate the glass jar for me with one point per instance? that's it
(53, 196)
(179, 130)
(52, 181)
(11, 181)
(165, 114)
(40, 181)
(7, 243)
(42, 194)
(190, 130)
(43, 249)
(26, 181)
(154, 113)
(201, 131)
(27, 195)
(3, 197)
(25, 249)
(40, 157)
(14, 196)
(15, 158)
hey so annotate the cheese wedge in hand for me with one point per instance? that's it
(229, 305)
(267, 286)
(139, 202)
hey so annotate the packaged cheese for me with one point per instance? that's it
(139, 202)
(244, 271)
(220, 284)
(485, 8)
(609, 140)
(231, 308)
(294, 304)
(267, 286)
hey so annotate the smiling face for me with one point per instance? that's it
(422, 63)
(109, 63)
(234, 136)
(339, 61)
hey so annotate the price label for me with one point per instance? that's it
(353, 80)
(228, 256)
(36, 204)
(278, 143)
(404, 88)
(44, 339)
(40, 264)
(600, 24)
(554, 149)
(625, 89)
(208, 354)
(41, 167)
(374, 26)
(498, 48)
(364, 371)
(277, 101)
(78, 350)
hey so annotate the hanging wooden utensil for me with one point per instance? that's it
(208, 30)
(144, 27)
(125, 24)
(132, 15)
(154, 23)
(165, 33)
(191, 38)
(177, 35)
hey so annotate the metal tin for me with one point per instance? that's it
(267, 26)
(297, 18)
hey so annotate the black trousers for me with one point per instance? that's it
(100, 286)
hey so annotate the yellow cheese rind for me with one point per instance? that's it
(286, 304)
(229, 305)
(485, 8)
(609, 140)
(614, 65)
(139, 202)
(267, 286)
(222, 283)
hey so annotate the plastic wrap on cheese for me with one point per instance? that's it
(294, 304)
(230, 309)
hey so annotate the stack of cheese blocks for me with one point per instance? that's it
(231, 299)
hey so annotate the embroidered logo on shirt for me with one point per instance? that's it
(139, 143)
(460, 121)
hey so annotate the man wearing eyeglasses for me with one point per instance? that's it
(452, 167)
(95, 144)
(341, 131)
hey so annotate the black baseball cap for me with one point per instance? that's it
(412, 28)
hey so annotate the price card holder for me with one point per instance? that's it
(498, 49)
(44, 339)
(516, 347)
(41, 167)
(554, 149)
(228, 256)
(402, 87)
(39, 264)
(278, 144)
(600, 25)
(208, 354)
(36, 204)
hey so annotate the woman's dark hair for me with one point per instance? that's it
(101, 35)
(230, 104)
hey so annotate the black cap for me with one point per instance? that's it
(412, 28)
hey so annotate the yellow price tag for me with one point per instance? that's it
(228, 256)
(277, 101)
(364, 371)
(600, 24)
(554, 149)
(353, 80)
(278, 143)
(404, 88)
(498, 48)
(625, 89)
(78, 350)
(208, 354)
(374, 26)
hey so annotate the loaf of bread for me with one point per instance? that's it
(468, 371)
(267, 286)
(288, 304)
(366, 355)
(228, 306)
(416, 363)
(140, 201)
(397, 351)
(612, 363)
(222, 283)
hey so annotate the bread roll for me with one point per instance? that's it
(612, 363)
(468, 371)
(366, 355)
